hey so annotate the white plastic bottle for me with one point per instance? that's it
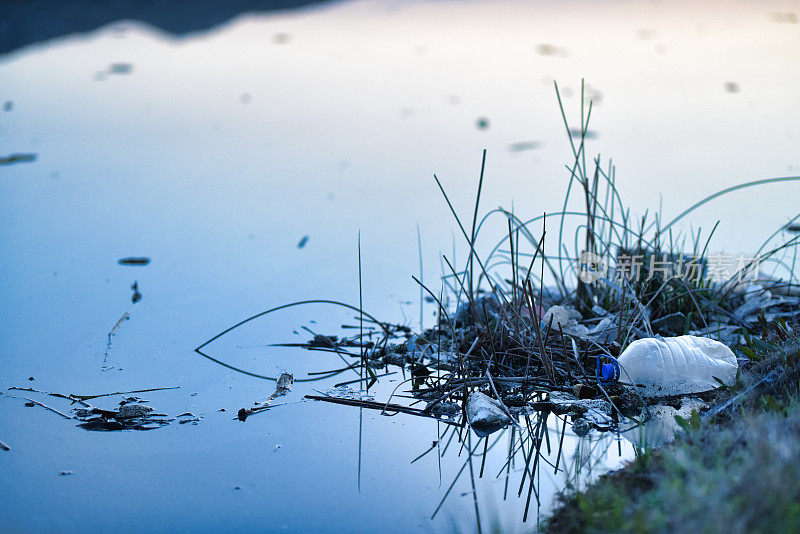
(677, 365)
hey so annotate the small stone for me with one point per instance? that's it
(444, 408)
(583, 391)
(563, 403)
(581, 427)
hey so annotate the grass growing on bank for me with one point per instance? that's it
(737, 472)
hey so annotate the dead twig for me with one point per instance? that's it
(88, 397)
(81, 399)
(379, 406)
(46, 407)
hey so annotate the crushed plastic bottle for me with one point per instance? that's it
(485, 414)
(677, 365)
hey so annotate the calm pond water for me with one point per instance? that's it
(215, 153)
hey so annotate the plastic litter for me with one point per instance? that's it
(607, 373)
(677, 365)
(566, 318)
(485, 414)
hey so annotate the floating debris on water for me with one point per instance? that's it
(134, 260)
(18, 158)
(589, 134)
(129, 411)
(346, 392)
(127, 417)
(113, 69)
(731, 87)
(302, 242)
(282, 387)
(547, 49)
(106, 367)
(524, 145)
(132, 413)
(120, 68)
(136, 296)
(482, 123)
(188, 418)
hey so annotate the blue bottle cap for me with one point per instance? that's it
(609, 372)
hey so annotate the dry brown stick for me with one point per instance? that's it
(48, 408)
(388, 402)
(537, 383)
(80, 399)
(379, 406)
(247, 412)
(87, 397)
(125, 316)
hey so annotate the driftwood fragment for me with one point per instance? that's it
(46, 407)
(283, 386)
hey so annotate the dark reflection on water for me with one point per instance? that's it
(35, 21)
